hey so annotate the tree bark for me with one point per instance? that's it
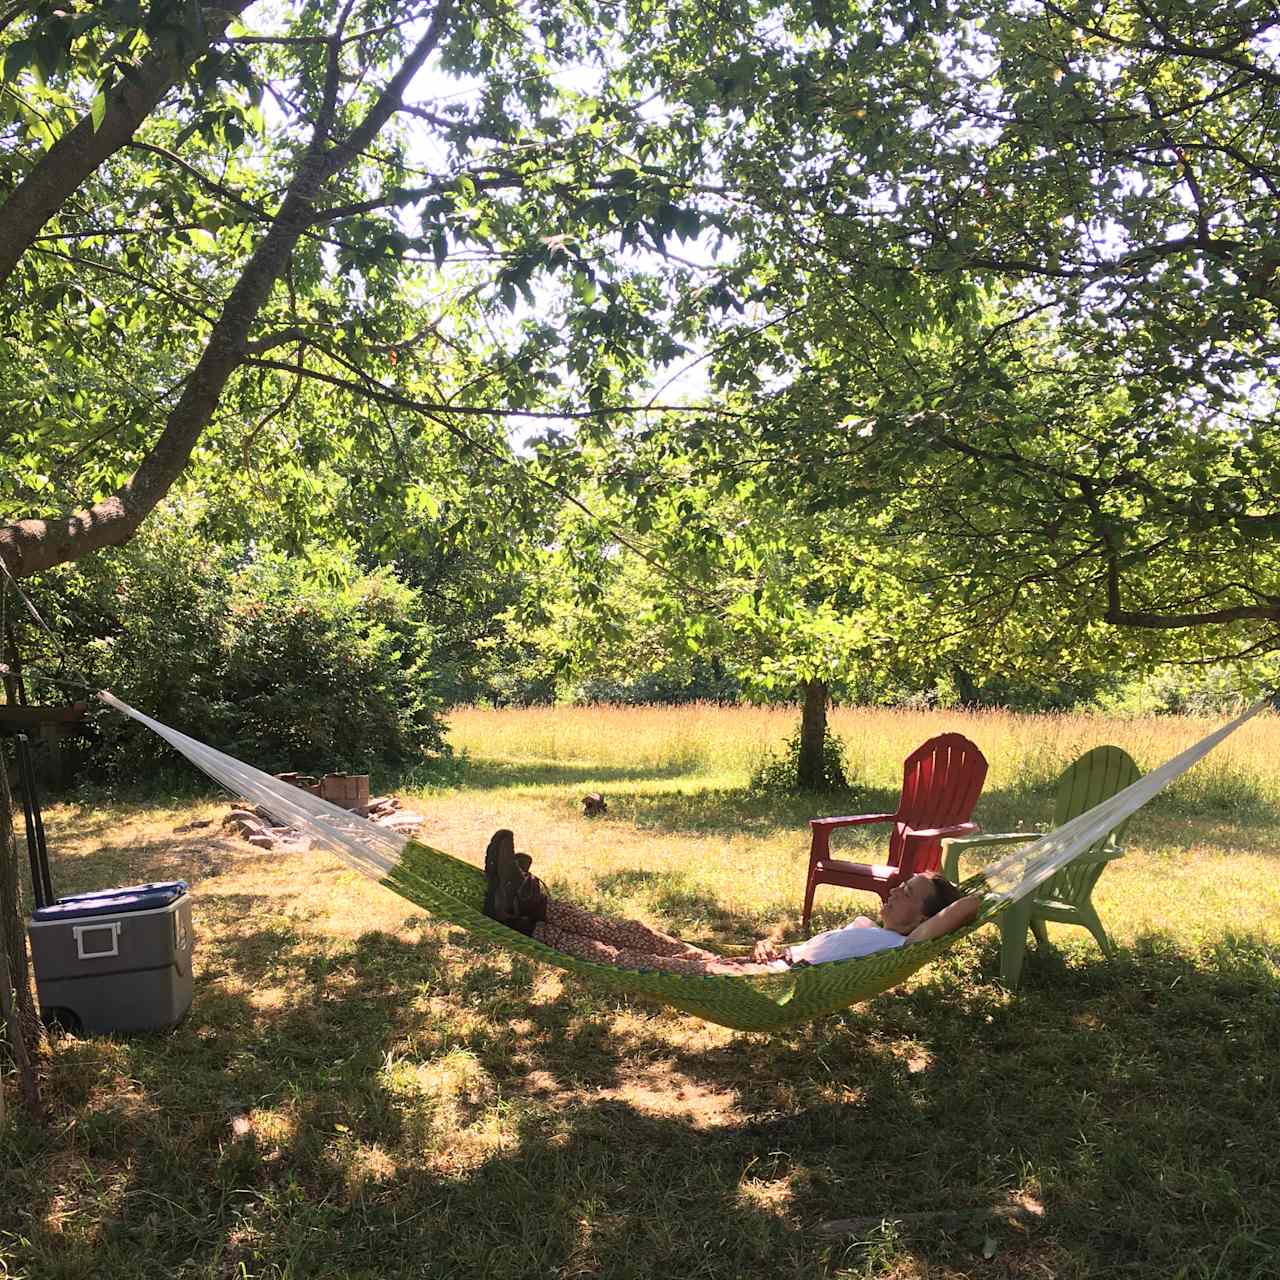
(79, 152)
(966, 686)
(14, 690)
(30, 546)
(810, 773)
(17, 1001)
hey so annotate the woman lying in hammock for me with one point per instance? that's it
(923, 907)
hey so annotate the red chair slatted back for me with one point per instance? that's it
(941, 782)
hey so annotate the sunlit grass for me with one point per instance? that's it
(720, 746)
(698, 846)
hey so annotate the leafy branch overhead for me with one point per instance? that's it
(284, 201)
(1013, 320)
(986, 299)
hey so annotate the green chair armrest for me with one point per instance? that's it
(953, 848)
(1108, 853)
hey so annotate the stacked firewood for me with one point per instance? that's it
(386, 812)
(262, 830)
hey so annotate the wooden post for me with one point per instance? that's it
(49, 726)
(17, 1001)
(55, 771)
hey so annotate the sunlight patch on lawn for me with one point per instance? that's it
(768, 1195)
(366, 1166)
(658, 1089)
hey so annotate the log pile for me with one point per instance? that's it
(257, 825)
(386, 812)
(260, 829)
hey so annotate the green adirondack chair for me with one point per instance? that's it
(1066, 897)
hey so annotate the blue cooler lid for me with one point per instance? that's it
(113, 902)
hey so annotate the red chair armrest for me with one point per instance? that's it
(823, 827)
(934, 833)
(830, 824)
(917, 843)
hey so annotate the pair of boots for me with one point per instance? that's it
(514, 897)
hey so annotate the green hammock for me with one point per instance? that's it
(453, 890)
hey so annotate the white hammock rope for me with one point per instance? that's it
(1030, 865)
(375, 851)
(371, 849)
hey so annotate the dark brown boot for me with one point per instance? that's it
(504, 876)
(501, 844)
(513, 874)
(532, 899)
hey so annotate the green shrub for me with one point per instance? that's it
(1200, 691)
(286, 663)
(1218, 787)
(675, 684)
(777, 772)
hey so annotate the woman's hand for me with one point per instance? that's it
(764, 951)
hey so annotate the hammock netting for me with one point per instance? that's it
(453, 890)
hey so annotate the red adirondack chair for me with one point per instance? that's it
(941, 782)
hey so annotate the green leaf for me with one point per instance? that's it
(17, 57)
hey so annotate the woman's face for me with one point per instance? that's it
(904, 908)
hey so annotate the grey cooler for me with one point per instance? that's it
(117, 959)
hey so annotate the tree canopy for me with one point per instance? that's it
(305, 249)
(986, 296)
(1010, 304)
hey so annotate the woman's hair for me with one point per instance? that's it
(942, 893)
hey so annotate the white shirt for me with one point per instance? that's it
(845, 943)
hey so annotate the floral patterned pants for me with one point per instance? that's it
(627, 944)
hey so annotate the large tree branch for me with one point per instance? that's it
(1252, 524)
(29, 546)
(217, 188)
(1170, 46)
(370, 389)
(382, 394)
(78, 153)
(1121, 617)
(1118, 616)
(306, 41)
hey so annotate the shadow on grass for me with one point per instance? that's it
(741, 812)
(119, 861)
(677, 811)
(579, 1143)
(487, 775)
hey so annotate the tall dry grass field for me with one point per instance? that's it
(720, 746)
(684, 845)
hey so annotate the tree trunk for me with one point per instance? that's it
(17, 1001)
(966, 687)
(14, 690)
(28, 1081)
(810, 773)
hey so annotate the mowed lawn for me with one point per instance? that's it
(359, 1092)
